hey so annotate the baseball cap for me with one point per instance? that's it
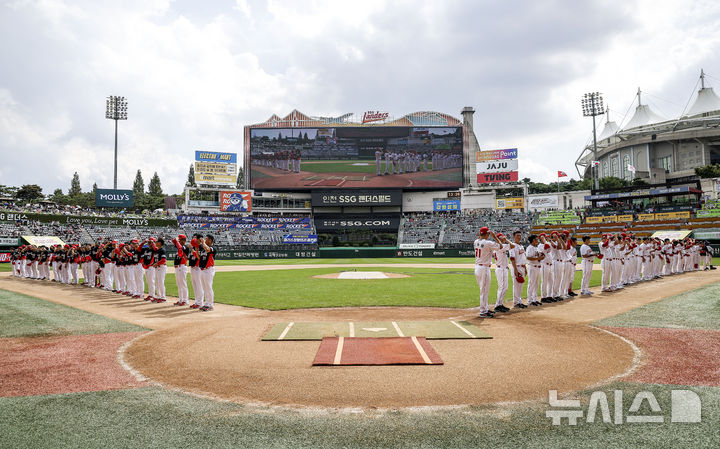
(484, 230)
(182, 236)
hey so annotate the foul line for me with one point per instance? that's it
(463, 329)
(397, 329)
(338, 351)
(287, 329)
(422, 352)
(352, 329)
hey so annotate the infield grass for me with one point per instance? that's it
(26, 316)
(151, 417)
(695, 309)
(294, 289)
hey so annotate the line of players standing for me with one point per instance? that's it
(124, 268)
(411, 161)
(625, 259)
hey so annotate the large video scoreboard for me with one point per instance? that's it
(352, 157)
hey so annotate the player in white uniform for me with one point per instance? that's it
(535, 260)
(483, 254)
(548, 273)
(501, 271)
(588, 256)
(570, 266)
(519, 262)
(378, 158)
(388, 163)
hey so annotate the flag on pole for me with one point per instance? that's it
(595, 163)
(631, 168)
(561, 174)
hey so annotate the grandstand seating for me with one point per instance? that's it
(559, 217)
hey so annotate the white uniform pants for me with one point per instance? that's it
(587, 268)
(559, 277)
(207, 275)
(138, 272)
(517, 286)
(569, 277)
(150, 278)
(109, 272)
(181, 282)
(605, 265)
(501, 274)
(160, 273)
(547, 280)
(533, 283)
(482, 276)
(196, 280)
(74, 279)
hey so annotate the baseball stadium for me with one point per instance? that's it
(374, 285)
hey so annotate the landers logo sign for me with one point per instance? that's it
(374, 116)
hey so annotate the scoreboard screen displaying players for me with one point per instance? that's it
(421, 158)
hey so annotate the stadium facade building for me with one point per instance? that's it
(659, 149)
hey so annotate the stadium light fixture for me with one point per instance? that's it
(592, 106)
(116, 109)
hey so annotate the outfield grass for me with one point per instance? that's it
(696, 309)
(26, 316)
(151, 417)
(312, 166)
(292, 289)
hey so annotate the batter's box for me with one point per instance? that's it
(432, 330)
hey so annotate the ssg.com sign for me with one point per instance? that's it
(113, 198)
(357, 223)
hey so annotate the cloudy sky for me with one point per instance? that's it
(196, 72)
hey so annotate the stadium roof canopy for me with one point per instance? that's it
(298, 119)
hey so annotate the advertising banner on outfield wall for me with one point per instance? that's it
(373, 222)
(113, 198)
(9, 216)
(487, 178)
(321, 198)
(5, 257)
(235, 201)
(543, 202)
(416, 246)
(509, 203)
(303, 239)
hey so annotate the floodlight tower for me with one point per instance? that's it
(116, 109)
(592, 105)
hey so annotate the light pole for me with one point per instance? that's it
(116, 109)
(592, 105)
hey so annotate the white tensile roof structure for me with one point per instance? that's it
(643, 115)
(706, 100)
(611, 128)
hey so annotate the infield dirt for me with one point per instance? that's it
(220, 354)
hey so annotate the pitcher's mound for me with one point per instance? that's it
(361, 275)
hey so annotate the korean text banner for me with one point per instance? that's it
(356, 198)
(439, 205)
(113, 198)
(211, 156)
(233, 201)
(43, 240)
(496, 155)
